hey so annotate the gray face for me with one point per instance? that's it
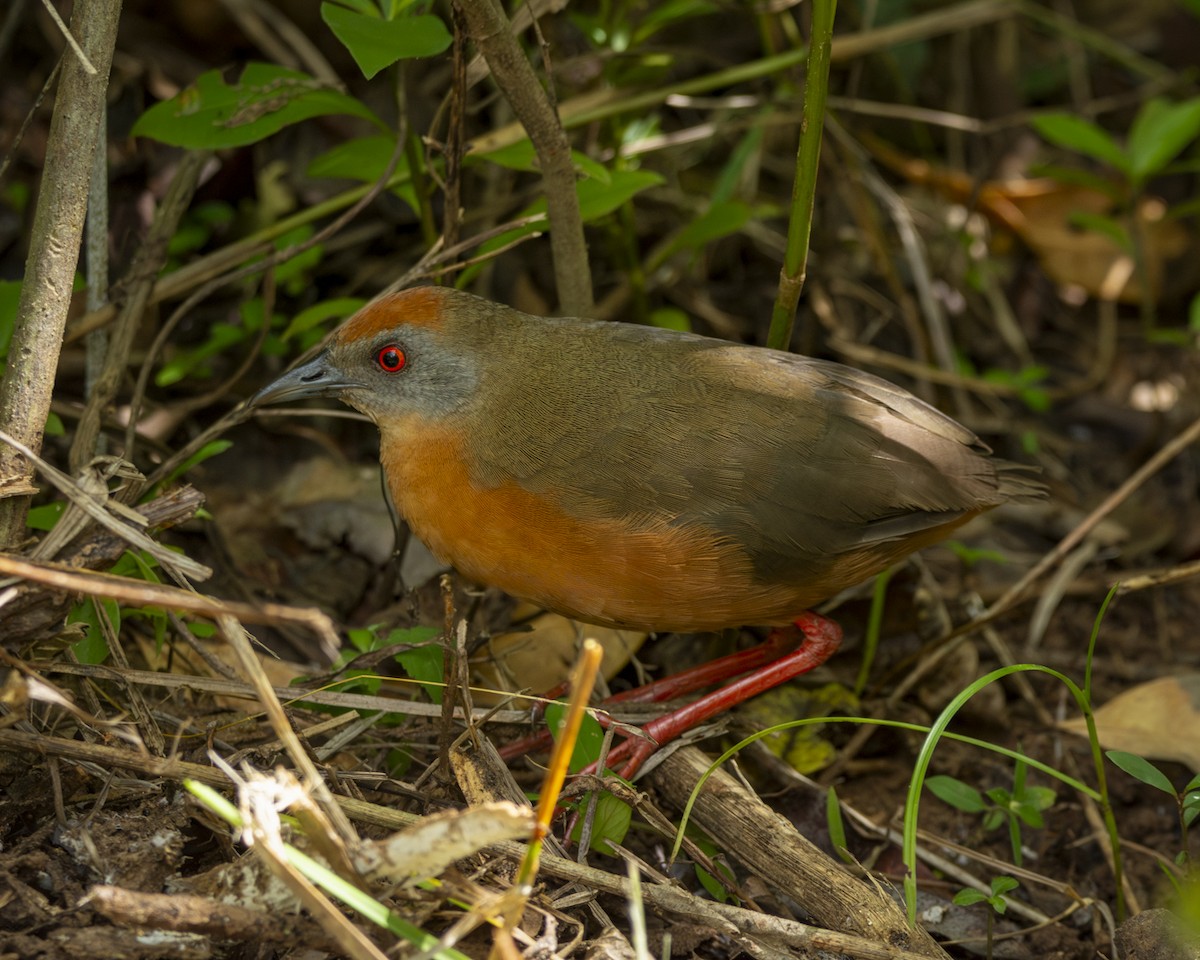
(396, 372)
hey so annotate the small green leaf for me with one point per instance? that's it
(375, 43)
(1075, 133)
(1141, 769)
(969, 897)
(93, 648)
(1160, 132)
(212, 114)
(836, 825)
(1003, 884)
(956, 793)
(609, 825)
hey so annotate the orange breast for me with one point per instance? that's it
(648, 575)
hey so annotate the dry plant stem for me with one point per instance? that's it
(177, 564)
(1068, 543)
(193, 914)
(147, 262)
(768, 845)
(227, 688)
(804, 188)
(314, 783)
(492, 33)
(138, 593)
(26, 389)
(735, 922)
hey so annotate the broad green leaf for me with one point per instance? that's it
(1141, 769)
(211, 114)
(1160, 132)
(375, 43)
(1075, 133)
(956, 793)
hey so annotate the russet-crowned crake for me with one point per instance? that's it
(636, 477)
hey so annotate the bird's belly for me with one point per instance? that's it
(651, 575)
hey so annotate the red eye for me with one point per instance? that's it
(391, 358)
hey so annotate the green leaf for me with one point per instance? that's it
(93, 649)
(609, 825)
(720, 220)
(425, 663)
(45, 516)
(1039, 798)
(587, 745)
(969, 897)
(1141, 769)
(521, 156)
(212, 114)
(367, 7)
(596, 200)
(1082, 136)
(836, 825)
(54, 425)
(206, 452)
(1003, 884)
(956, 793)
(1107, 226)
(376, 43)
(364, 160)
(1160, 132)
(671, 318)
(336, 309)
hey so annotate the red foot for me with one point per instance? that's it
(772, 662)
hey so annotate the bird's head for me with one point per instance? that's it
(403, 354)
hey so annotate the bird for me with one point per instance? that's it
(636, 477)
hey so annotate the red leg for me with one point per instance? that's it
(680, 684)
(821, 639)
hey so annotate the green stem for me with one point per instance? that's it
(808, 161)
